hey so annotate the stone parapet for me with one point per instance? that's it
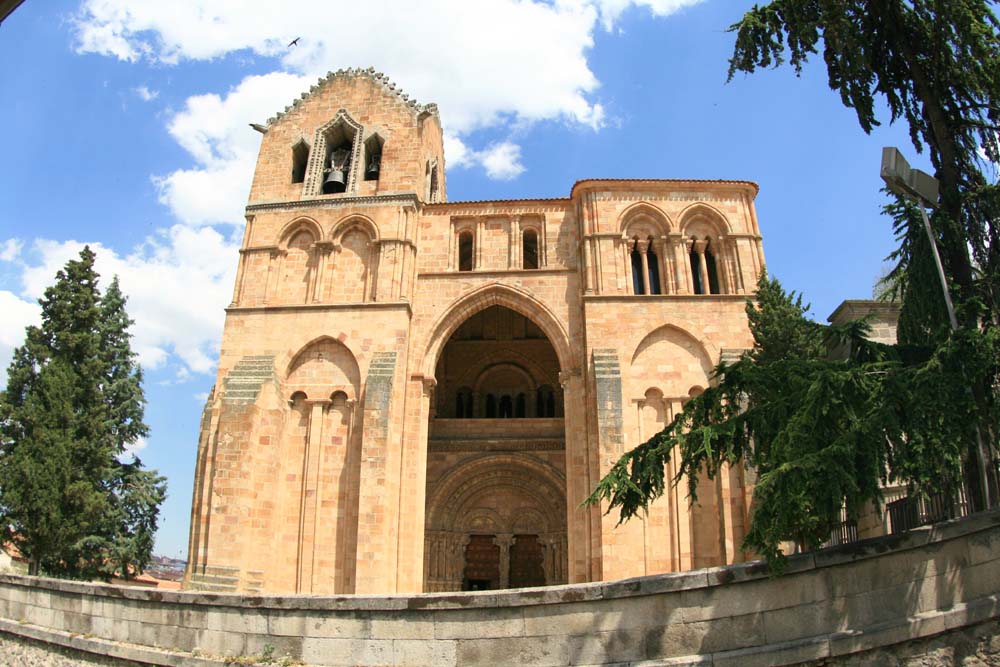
(829, 605)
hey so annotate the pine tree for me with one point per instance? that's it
(73, 403)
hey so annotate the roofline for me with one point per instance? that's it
(593, 183)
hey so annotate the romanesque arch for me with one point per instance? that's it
(484, 297)
(643, 218)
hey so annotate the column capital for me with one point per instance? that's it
(700, 246)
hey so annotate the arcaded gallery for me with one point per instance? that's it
(417, 394)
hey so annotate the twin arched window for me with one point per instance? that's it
(645, 267)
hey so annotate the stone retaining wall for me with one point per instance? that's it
(837, 604)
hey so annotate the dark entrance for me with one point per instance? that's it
(482, 564)
(526, 562)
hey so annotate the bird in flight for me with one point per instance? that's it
(294, 42)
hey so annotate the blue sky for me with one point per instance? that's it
(126, 128)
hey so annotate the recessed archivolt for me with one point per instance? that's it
(644, 220)
(354, 221)
(297, 225)
(701, 220)
(529, 475)
(495, 295)
(538, 374)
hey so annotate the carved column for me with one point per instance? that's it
(322, 250)
(660, 248)
(680, 264)
(516, 253)
(505, 541)
(274, 266)
(588, 266)
(478, 242)
(700, 247)
(643, 247)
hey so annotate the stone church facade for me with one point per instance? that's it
(416, 394)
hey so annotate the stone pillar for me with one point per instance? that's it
(505, 542)
(699, 248)
(478, 242)
(323, 250)
(516, 252)
(660, 247)
(308, 514)
(583, 523)
(378, 500)
(680, 264)
(412, 498)
(643, 247)
(621, 545)
(274, 266)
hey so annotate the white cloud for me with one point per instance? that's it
(214, 130)
(10, 249)
(610, 10)
(17, 314)
(145, 94)
(502, 161)
(462, 55)
(177, 286)
(131, 451)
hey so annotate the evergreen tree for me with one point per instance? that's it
(822, 434)
(73, 403)
(936, 65)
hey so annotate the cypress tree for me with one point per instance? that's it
(73, 403)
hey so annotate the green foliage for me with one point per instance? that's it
(821, 434)
(72, 406)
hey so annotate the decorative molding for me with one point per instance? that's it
(420, 111)
(495, 445)
(335, 201)
(402, 305)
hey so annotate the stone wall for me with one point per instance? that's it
(929, 597)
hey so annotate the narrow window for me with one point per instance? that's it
(713, 275)
(459, 406)
(550, 405)
(465, 251)
(654, 270)
(545, 405)
(373, 157)
(491, 406)
(506, 407)
(300, 157)
(636, 269)
(519, 406)
(696, 273)
(529, 249)
(468, 404)
(434, 184)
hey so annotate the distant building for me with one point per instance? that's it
(417, 395)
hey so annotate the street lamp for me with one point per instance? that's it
(922, 189)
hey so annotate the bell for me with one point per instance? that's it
(335, 182)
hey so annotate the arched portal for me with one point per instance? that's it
(496, 489)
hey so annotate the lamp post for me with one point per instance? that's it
(922, 189)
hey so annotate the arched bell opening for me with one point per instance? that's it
(495, 498)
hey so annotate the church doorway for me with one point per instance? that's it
(496, 488)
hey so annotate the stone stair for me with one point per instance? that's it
(215, 580)
(243, 383)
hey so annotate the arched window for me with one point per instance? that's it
(636, 268)
(373, 157)
(465, 245)
(699, 287)
(491, 406)
(713, 275)
(460, 406)
(654, 269)
(519, 406)
(300, 158)
(529, 249)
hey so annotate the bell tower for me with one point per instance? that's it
(301, 434)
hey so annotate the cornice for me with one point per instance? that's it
(334, 201)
